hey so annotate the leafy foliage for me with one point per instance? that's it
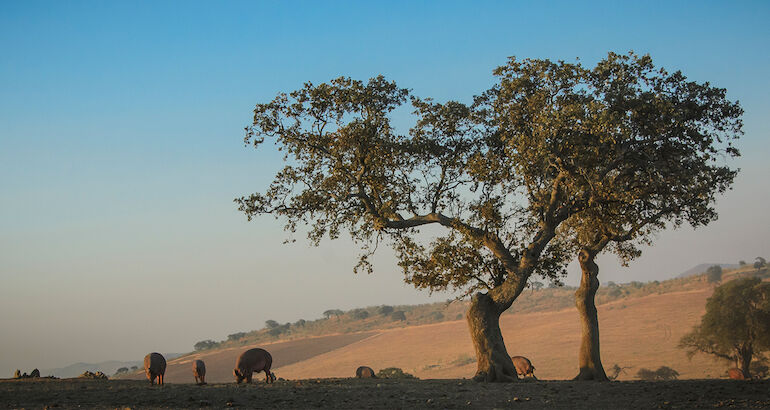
(714, 274)
(398, 315)
(271, 324)
(236, 336)
(736, 325)
(332, 312)
(385, 310)
(205, 344)
(663, 373)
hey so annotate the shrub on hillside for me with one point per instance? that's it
(360, 314)
(271, 324)
(398, 315)
(714, 274)
(205, 345)
(236, 336)
(394, 373)
(662, 374)
(385, 310)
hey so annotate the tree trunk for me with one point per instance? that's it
(494, 363)
(744, 358)
(590, 360)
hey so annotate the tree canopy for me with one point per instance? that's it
(736, 325)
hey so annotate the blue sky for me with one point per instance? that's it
(121, 128)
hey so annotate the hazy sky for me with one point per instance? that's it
(121, 127)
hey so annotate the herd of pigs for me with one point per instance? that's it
(259, 360)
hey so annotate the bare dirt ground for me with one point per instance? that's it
(386, 394)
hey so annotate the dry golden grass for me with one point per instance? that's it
(641, 332)
(636, 332)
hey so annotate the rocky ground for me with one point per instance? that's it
(390, 394)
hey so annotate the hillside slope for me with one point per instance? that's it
(638, 332)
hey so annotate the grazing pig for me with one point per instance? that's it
(736, 374)
(253, 360)
(523, 366)
(365, 372)
(199, 371)
(155, 366)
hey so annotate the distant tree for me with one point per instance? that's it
(360, 314)
(271, 324)
(436, 316)
(121, 370)
(333, 312)
(536, 285)
(663, 373)
(398, 315)
(760, 263)
(385, 310)
(236, 336)
(205, 344)
(714, 274)
(612, 284)
(134, 368)
(736, 325)
(742, 263)
(300, 323)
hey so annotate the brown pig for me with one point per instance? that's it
(155, 366)
(253, 360)
(365, 372)
(523, 366)
(199, 371)
(736, 374)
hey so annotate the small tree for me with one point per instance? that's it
(736, 325)
(760, 263)
(663, 373)
(714, 274)
(742, 263)
(333, 312)
(236, 336)
(121, 370)
(300, 323)
(386, 310)
(205, 344)
(133, 368)
(398, 315)
(360, 314)
(271, 324)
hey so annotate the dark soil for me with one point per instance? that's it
(387, 394)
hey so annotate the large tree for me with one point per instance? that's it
(643, 147)
(499, 177)
(347, 170)
(736, 325)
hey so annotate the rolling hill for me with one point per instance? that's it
(639, 329)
